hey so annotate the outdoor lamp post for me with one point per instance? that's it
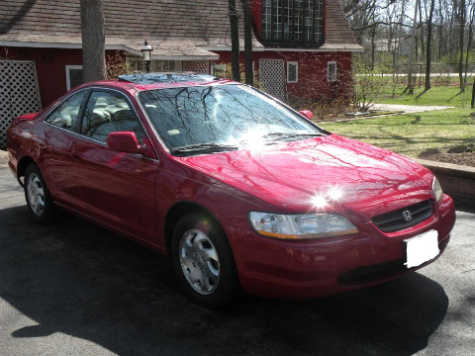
(147, 54)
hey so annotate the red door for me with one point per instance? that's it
(115, 188)
(57, 131)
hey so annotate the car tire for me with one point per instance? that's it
(38, 198)
(203, 261)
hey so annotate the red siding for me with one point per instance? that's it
(312, 72)
(50, 67)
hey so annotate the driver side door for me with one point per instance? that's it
(115, 188)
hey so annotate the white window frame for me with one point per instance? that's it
(335, 76)
(296, 80)
(68, 78)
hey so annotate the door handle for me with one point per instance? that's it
(75, 156)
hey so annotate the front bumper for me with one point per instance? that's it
(314, 268)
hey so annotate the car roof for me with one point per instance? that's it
(171, 77)
(149, 81)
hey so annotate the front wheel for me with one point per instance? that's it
(37, 195)
(203, 261)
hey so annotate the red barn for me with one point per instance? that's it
(301, 48)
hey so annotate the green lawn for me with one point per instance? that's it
(411, 134)
(437, 95)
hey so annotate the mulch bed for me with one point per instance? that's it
(462, 159)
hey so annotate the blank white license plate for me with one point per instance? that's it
(422, 248)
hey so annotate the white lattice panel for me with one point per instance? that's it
(195, 66)
(19, 93)
(272, 77)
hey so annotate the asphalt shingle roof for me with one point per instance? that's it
(179, 26)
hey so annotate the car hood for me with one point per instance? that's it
(329, 173)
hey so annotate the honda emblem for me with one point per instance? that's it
(406, 214)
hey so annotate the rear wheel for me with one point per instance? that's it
(37, 195)
(203, 261)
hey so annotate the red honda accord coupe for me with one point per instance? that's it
(241, 191)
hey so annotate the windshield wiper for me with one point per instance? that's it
(286, 135)
(207, 147)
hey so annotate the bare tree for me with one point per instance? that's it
(461, 19)
(93, 40)
(233, 20)
(470, 38)
(429, 45)
(410, 85)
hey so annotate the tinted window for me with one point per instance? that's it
(225, 114)
(66, 115)
(109, 112)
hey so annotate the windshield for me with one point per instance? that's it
(221, 117)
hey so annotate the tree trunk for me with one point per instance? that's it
(373, 46)
(473, 94)
(429, 45)
(461, 39)
(93, 40)
(246, 4)
(470, 38)
(233, 20)
(410, 85)
(440, 34)
(422, 30)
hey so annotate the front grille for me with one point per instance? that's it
(395, 221)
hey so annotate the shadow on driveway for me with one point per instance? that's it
(77, 279)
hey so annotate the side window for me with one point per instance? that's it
(292, 72)
(332, 75)
(66, 115)
(74, 76)
(108, 112)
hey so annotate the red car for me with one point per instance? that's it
(242, 191)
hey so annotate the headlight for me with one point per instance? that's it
(307, 226)
(437, 189)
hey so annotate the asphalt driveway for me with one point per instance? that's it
(75, 289)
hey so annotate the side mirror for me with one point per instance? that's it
(307, 113)
(123, 141)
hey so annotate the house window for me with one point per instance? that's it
(219, 70)
(162, 66)
(74, 76)
(332, 72)
(292, 72)
(295, 22)
(224, 70)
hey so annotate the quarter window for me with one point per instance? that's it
(109, 112)
(66, 115)
(296, 22)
